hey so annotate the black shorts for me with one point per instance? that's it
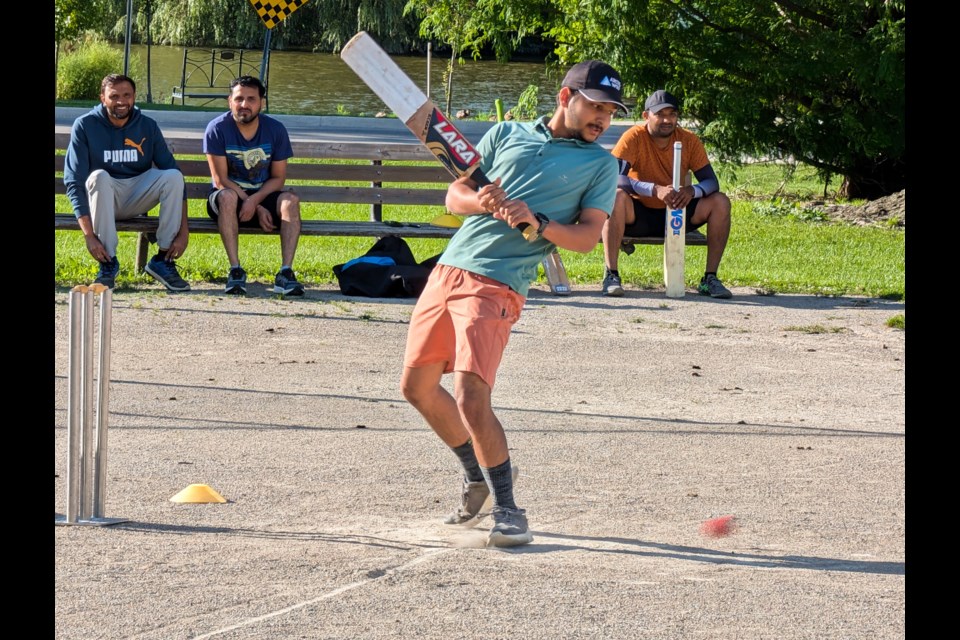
(652, 222)
(269, 203)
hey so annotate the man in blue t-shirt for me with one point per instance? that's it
(551, 178)
(247, 153)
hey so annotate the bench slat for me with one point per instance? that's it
(148, 224)
(335, 195)
(693, 237)
(327, 172)
(189, 145)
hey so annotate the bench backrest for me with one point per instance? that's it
(380, 164)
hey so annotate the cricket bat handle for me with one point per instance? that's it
(482, 180)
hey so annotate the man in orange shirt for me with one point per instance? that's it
(645, 190)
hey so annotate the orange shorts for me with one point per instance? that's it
(464, 320)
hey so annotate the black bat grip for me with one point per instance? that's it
(482, 180)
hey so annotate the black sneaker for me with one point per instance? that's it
(236, 281)
(711, 286)
(107, 274)
(165, 272)
(286, 283)
(612, 286)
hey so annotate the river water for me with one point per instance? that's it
(322, 84)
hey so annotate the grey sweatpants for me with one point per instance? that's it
(113, 199)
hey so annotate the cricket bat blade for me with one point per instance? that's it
(421, 116)
(674, 241)
(556, 274)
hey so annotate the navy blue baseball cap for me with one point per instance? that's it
(660, 99)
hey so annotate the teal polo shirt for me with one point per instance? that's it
(555, 176)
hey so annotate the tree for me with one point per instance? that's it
(816, 81)
(468, 26)
(319, 24)
(70, 19)
(813, 81)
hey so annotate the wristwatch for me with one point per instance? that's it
(544, 221)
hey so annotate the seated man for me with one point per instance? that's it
(118, 166)
(645, 191)
(247, 153)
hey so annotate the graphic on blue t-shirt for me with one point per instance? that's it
(249, 168)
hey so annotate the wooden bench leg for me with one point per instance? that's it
(143, 251)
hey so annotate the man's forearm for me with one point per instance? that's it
(637, 187)
(86, 225)
(268, 187)
(707, 181)
(463, 199)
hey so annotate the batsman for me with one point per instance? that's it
(550, 174)
(646, 188)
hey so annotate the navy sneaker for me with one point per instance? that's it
(510, 528)
(711, 286)
(165, 272)
(611, 285)
(286, 283)
(107, 275)
(236, 281)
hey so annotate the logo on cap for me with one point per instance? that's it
(610, 82)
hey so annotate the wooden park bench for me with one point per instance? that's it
(409, 185)
(384, 163)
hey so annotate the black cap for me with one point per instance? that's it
(660, 99)
(597, 81)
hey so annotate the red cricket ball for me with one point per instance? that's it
(718, 527)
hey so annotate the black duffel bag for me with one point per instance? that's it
(387, 270)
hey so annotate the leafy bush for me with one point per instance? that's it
(778, 208)
(80, 72)
(527, 104)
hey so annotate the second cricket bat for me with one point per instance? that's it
(674, 242)
(556, 274)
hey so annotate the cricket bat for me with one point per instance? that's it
(556, 274)
(674, 242)
(414, 108)
(431, 127)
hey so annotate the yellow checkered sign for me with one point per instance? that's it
(273, 13)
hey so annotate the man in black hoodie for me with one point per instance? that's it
(118, 166)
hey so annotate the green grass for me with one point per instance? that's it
(816, 329)
(775, 256)
(770, 253)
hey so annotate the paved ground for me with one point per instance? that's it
(632, 420)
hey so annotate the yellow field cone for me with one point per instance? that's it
(198, 493)
(447, 220)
